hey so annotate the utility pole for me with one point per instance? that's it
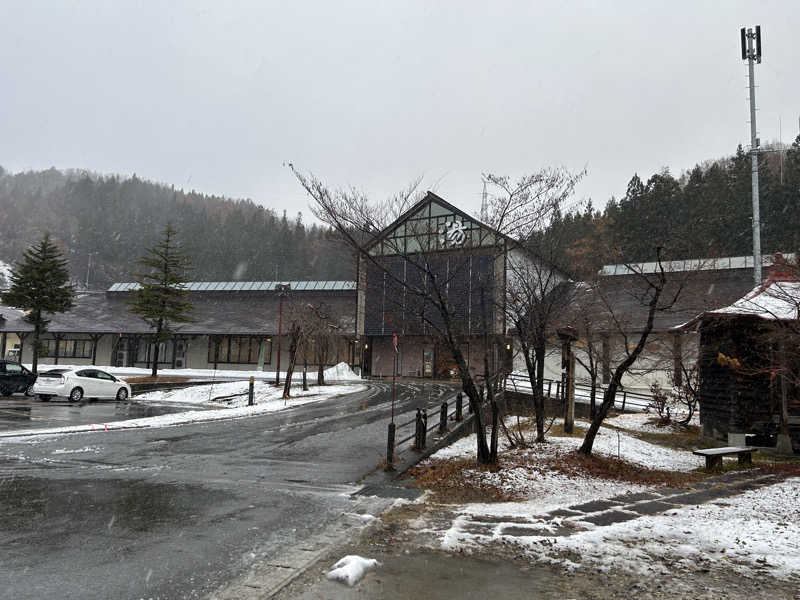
(753, 55)
(484, 204)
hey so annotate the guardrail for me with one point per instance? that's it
(422, 426)
(624, 400)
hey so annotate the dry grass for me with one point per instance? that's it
(576, 464)
(452, 481)
(455, 481)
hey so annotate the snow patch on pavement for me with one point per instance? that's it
(351, 569)
(759, 530)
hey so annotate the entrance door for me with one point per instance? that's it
(427, 361)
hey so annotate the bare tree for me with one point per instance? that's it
(649, 290)
(420, 266)
(538, 287)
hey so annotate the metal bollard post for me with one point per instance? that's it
(390, 447)
(443, 418)
(250, 400)
(459, 406)
(624, 397)
(549, 387)
(424, 429)
(418, 427)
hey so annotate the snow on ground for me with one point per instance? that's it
(546, 490)
(351, 569)
(618, 444)
(268, 400)
(757, 530)
(340, 372)
(608, 442)
(646, 422)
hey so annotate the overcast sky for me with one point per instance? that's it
(217, 96)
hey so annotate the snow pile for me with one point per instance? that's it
(351, 569)
(341, 372)
(195, 374)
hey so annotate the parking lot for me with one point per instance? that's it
(18, 412)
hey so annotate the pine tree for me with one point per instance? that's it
(162, 299)
(40, 285)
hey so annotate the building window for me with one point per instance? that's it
(67, 348)
(237, 349)
(145, 353)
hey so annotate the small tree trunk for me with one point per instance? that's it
(593, 395)
(287, 384)
(35, 354)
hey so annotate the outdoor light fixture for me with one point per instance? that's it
(366, 346)
(508, 346)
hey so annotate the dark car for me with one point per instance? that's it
(15, 378)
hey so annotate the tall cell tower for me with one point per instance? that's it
(751, 52)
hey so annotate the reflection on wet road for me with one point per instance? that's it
(19, 412)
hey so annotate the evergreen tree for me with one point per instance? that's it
(162, 299)
(40, 285)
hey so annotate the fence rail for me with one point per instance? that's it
(624, 400)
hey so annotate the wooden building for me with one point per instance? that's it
(750, 364)
(232, 324)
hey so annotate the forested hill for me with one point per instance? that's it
(704, 213)
(113, 220)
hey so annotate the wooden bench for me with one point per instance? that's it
(714, 455)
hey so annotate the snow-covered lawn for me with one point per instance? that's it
(647, 422)
(267, 399)
(608, 442)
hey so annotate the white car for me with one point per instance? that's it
(80, 383)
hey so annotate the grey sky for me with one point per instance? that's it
(216, 96)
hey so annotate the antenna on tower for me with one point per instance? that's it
(484, 204)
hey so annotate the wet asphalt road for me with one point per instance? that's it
(177, 512)
(18, 412)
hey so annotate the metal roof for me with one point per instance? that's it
(242, 286)
(696, 264)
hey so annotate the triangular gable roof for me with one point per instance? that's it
(429, 199)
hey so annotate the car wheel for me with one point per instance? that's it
(44, 397)
(122, 395)
(4, 391)
(76, 395)
(29, 391)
